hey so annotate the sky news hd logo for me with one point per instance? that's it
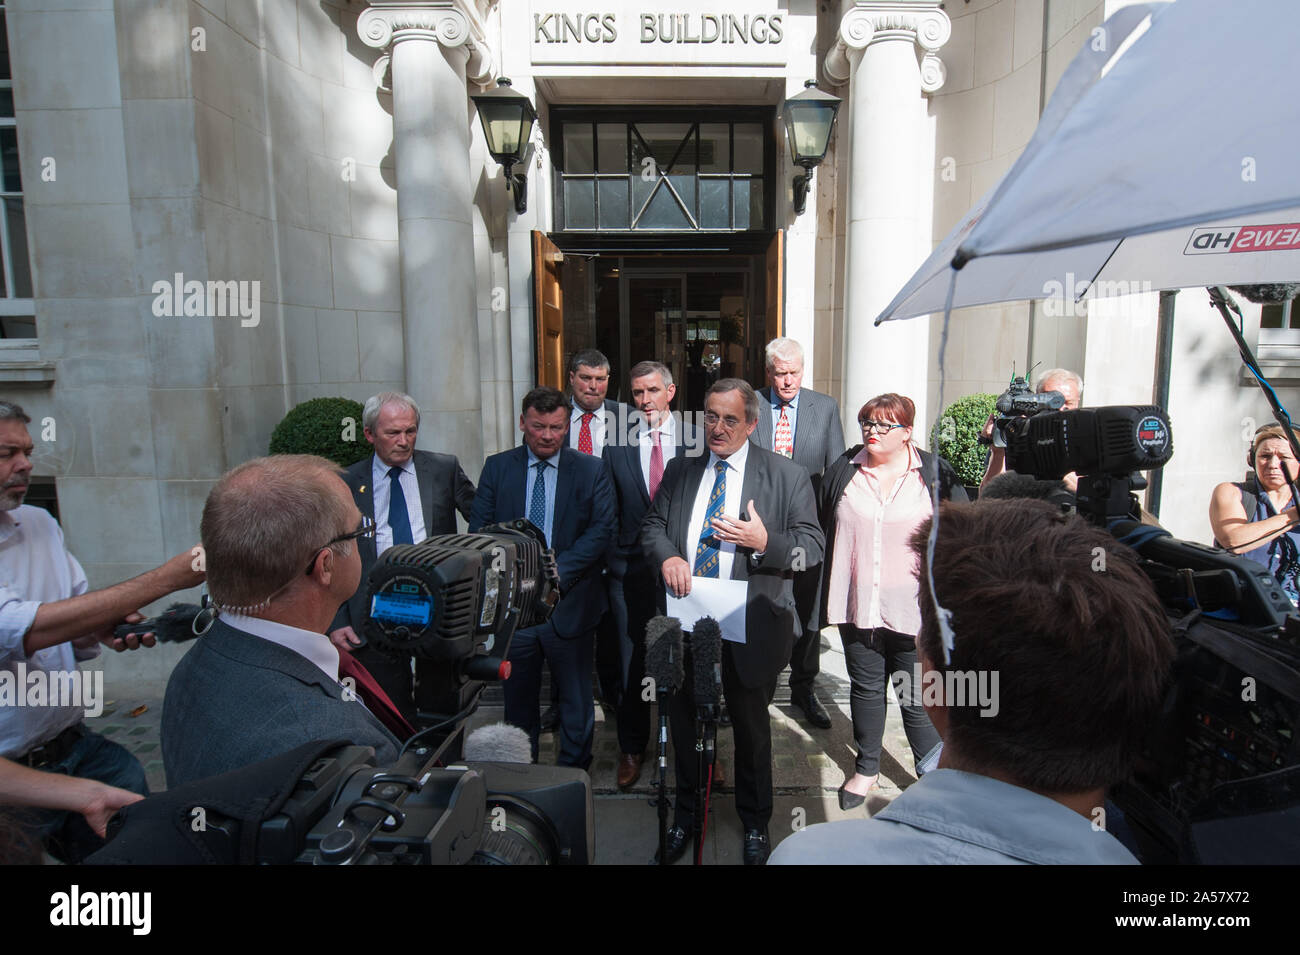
(1279, 237)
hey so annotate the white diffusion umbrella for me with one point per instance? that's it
(1169, 164)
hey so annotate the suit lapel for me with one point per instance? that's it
(751, 489)
(514, 486)
(685, 503)
(763, 433)
(424, 478)
(563, 484)
(364, 496)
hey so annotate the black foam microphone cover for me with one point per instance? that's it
(706, 654)
(663, 654)
(173, 625)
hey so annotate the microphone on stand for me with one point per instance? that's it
(665, 665)
(706, 657)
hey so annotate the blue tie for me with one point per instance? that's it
(706, 554)
(537, 506)
(398, 518)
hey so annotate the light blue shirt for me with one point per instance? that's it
(950, 817)
(549, 475)
(791, 413)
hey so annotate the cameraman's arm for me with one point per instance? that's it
(997, 463)
(1234, 530)
(21, 786)
(63, 620)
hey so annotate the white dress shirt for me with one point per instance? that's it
(382, 485)
(35, 568)
(731, 505)
(597, 425)
(316, 647)
(667, 442)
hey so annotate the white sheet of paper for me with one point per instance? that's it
(723, 600)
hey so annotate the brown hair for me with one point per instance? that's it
(899, 407)
(1070, 623)
(263, 522)
(1268, 432)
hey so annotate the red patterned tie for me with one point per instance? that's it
(656, 464)
(783, 440)
(584, 435)
(374, 697)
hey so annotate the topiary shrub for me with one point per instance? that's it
(330, 427)
(955, 436)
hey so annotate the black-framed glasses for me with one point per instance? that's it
(879, 427)
(365, 529)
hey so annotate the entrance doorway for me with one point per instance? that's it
(706, 316)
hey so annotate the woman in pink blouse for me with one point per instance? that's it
(871, 500)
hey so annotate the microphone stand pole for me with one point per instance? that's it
(706, 734)
(662, 797)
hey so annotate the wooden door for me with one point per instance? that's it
(548, 311)
(775, 283)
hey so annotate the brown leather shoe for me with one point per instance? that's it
(629, 769)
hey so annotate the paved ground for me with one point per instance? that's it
(809, 766)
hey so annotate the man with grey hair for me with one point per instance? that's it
(265, 679)
(738, 513)
(49, 622)
(1061, 380)
(803, 425)
(410, 495)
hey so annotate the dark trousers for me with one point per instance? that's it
(609, 659)
(66, 835)
(632, 598)
(753, 734)
(869, 655)
(392, 671)
(805, 659)
(570, 662)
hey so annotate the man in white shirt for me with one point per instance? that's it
(48, 624)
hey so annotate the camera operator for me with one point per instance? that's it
(1061, 380)
(265, 678)
(1080, 659)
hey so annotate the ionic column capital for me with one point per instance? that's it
(453, 24)
(870, 21)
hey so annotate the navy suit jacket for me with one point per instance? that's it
(236, 699)
(623, 464)
(444, 490)
(581, 528)
(818, 433)
(783, 497)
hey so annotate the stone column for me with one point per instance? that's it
(890, 182)
(431, 45)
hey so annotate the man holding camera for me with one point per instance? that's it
(1069, 386)
(1077, 660)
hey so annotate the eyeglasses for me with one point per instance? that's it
(365, 529)
(879, 427)
(728, 423)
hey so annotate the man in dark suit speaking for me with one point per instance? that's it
(568, 496)
(410, 495)
(804, 426)
(265, 678)
(739, 513)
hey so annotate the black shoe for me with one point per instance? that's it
(550, 720)
(676, 845)
(757, 848)
(812, 709)
(724, 718)
(850, 800)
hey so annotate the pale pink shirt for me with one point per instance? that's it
(873, 580)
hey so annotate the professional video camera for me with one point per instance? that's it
(454, 601)
(1219, 780)
(1020, 401)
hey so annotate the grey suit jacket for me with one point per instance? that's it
(444, 490)
(235, 699)
(783, 496)
(818, 432)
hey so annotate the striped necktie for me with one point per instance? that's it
(706, 553)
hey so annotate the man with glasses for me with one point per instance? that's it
(280, 538)
(410, 495)
(738, 513)
(802, 425)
